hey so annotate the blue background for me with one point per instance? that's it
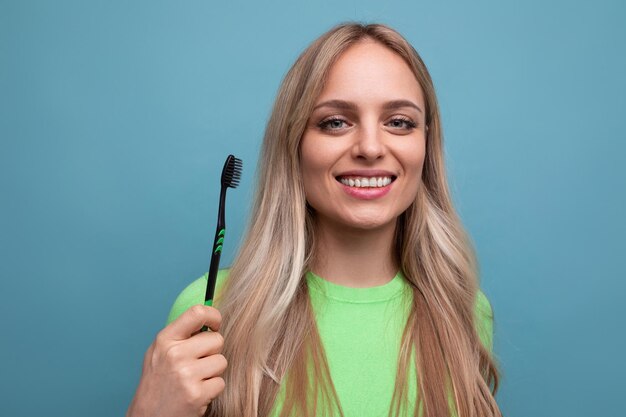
(115, 119)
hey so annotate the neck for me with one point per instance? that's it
(354, 257)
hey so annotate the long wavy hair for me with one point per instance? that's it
(268, 323)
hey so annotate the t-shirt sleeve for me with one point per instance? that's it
(484, 322)
(194, 293)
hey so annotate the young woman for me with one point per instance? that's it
(355, 291)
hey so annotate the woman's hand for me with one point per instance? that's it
(182, 367)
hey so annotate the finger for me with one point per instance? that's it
(206, 368)
(202, 344)
(191, 321)
(212, 388)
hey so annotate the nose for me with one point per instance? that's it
(368, 144)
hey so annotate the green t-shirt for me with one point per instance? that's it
(361, 330)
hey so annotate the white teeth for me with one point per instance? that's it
(363, 182)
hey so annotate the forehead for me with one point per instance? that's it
(369, 72)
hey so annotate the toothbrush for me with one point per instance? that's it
(231, 174)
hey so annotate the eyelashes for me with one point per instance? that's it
(324, 124)
(408, 122)
(328, 123)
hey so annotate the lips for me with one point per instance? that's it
(367, 173)
(366, 178)
(365, 182)
(366, 193)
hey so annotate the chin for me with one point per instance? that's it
(369, 223)
(357, 220)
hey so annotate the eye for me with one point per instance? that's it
(331, 123)
(401, 122)
(335, 123)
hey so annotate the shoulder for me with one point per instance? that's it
(194, 293)
(484, 319)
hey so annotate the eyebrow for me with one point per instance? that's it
(346, 105)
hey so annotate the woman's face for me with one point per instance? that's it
(363, 149)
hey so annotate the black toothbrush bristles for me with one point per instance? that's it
(231, 174)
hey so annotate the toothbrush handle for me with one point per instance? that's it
(215, 264)
(217, 252)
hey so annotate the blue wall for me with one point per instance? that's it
(115, 118)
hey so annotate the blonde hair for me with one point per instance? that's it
(268, 324)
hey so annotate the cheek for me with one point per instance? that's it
(413, 162)
(412, 156)
(312, 166)
(317, 157)
(310, 158)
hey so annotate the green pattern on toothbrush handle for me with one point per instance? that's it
(218, 249)
(220, 240)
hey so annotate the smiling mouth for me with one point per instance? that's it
(366, 182)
